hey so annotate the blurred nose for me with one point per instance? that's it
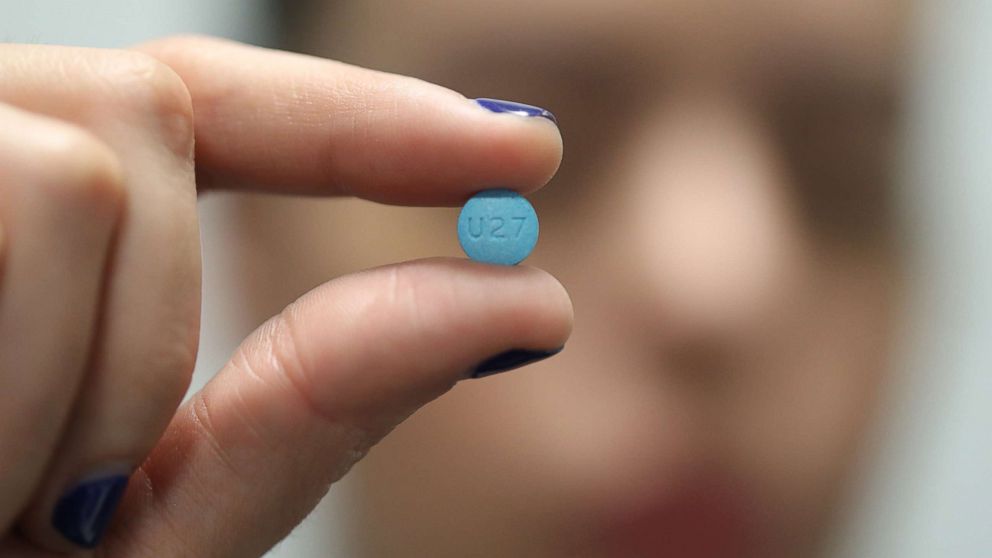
(710, 230)
(694, 243)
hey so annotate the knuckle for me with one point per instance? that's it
(152, 90)
(283, 349)
(404, 292)
(81, 170)
(414, 292)
(275, 357)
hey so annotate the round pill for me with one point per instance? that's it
(498, 227)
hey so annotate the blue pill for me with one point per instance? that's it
(498, 227)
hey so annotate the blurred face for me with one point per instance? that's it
(721, 221)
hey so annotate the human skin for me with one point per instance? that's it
(102, 156)
(722, 220)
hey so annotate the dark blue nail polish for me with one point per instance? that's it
(514, 358)
(83, 513)
(520, 109)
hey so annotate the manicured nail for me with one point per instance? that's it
(520, 109)
(514, 358)
(83, 513)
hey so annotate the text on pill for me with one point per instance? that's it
(496, 227)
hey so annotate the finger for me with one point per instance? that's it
(150, 317)
(60, 200)
(294, 123)
(311, 390)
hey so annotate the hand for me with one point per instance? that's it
(100, 287)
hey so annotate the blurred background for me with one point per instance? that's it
(772, 218)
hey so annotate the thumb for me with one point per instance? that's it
(310, 391)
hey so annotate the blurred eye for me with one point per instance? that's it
(592, 96)
(838, 142)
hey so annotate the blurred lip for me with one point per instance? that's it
(705, 517)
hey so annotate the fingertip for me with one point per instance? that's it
(546, 312)
(399, 335)
(527, 150)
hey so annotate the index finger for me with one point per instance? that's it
(291, 123)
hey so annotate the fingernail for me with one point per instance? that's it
(514, 358)
(83, 513)
(520, 109)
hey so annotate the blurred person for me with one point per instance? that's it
(721, 221)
